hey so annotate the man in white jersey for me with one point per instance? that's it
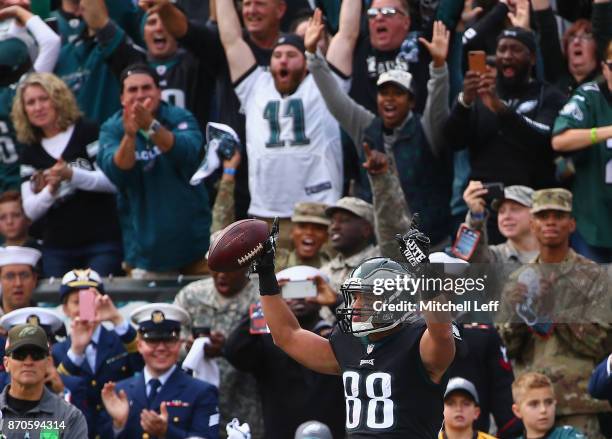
(293, 142)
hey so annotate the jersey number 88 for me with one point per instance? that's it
(378, 414)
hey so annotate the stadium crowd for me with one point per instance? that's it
(133, 131)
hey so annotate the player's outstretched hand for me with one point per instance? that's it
(264, 264)
(414, 244)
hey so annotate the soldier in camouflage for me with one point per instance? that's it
(355, 223)
(513, 220)
(219, 303)
(571, 293)
(308, 233)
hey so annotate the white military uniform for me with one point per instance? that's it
(293, 145)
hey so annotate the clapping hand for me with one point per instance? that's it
(117, 405)
(153, 423)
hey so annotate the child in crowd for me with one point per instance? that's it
(534, 404)
(460, 411)
(13, 222)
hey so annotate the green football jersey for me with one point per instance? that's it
(589, 107)
(9, 149)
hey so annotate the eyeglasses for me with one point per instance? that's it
(385, 12)
(35, 354)
(580, 37)
(22, 275)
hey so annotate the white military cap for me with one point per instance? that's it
(160, 320)
(43, 317)
(19, 255)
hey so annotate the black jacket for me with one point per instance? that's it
(512, 147)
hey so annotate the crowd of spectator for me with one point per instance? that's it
(491, 119)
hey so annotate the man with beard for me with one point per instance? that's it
(505, 119)
(290, 393)
(293, 142)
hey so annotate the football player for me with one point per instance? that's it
(392, 364)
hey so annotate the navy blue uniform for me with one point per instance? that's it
(191, 404)
(600, 385)
(388, 392)
(116, 359)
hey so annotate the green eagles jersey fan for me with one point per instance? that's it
(591, 106)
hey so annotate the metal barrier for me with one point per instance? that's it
(123, 289)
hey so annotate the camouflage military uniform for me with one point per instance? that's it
(503, 253)
(569, 351)
(223, 210)
(390, 217)
(285, 259)
(238, 396)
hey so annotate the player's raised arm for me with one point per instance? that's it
(305, 347)
(437, 347)
(240, 58)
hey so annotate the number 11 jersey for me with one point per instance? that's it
(293, 144)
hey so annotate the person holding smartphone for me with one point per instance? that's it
(92, 351)
(513, 221)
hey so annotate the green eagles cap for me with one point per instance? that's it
(551, 199)
(310, 213)
(26, 335)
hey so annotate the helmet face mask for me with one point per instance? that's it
(366, 286)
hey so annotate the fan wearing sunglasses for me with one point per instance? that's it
(28, 407)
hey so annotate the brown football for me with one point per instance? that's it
(237, 245)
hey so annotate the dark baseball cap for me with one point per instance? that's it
(292, 40)
(523, 36)
(26, 335)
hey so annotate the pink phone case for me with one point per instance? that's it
(87, 305)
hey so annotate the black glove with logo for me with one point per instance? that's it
(264, 264)
(414, 245)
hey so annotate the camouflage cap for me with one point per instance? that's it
(310, 213)
(518, 193)
(26, 335)
(551, 199)
(356, 206)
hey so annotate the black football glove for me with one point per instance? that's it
(264, 264)
(414, 245)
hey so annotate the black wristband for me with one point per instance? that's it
(268, 285)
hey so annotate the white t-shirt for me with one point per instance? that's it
(293, 145)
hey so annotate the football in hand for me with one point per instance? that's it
(238, 245)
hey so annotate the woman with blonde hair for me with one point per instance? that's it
(67, 196)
